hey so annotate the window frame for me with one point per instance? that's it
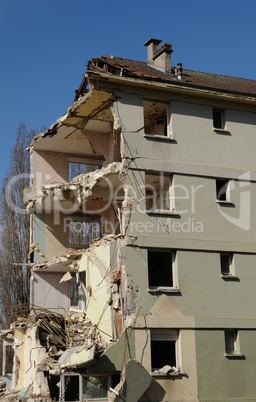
(218, 117)
(171, 195)
(169, 134)
(230, 263)
(219, 185)
(222, 127)
(173, 265)
(166, 335)
(81, 377)
(235, 350)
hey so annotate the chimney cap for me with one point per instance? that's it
(165, 48)
(155, 41)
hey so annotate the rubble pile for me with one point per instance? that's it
(82, 332)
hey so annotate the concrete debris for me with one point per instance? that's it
(79, 356)
(81, 332)
(66, 277)
(78, 190)
(167, 370)
(135, 381)
(2, 384)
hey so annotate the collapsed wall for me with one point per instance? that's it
(48, 344)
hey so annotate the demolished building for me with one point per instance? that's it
(142, 240)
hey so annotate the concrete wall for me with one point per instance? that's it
(48, 293)
(206, 304)
(48, 167)
(220, 377)
(98, 265)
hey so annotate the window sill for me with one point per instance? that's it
(159, 137)
(162, 212)
(221, 131)
(221, 202)
(171, 374)
(228, 276)
(234, 355)
(163, 289)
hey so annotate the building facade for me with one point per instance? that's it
(143, 239)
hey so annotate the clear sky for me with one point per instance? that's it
(45, 46)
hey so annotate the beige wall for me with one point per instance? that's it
(47, 292)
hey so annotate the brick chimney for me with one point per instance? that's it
(159, 56)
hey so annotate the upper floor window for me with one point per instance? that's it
(232, 347)
(222, 190)
(159, 192)
(218, 119)
(161, 270)
(226, 263)
(156, 118)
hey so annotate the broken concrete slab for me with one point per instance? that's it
(136, 381)
(79, 356)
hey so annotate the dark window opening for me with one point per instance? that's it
(225, 263)
(160, 268)
(155, 118)
(230, 341)
(222, 190)
(9, 353)
(53, 380)
(71, 391)
(217, 118)
(163, 352)
(76, 168)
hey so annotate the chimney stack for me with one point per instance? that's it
(159, 57)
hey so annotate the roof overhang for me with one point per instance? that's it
(175, 87)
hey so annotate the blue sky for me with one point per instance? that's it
(45, 46)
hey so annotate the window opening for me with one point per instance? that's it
(77, 168)
(81, 232)
(155, 118)
(160, 269)
(158, 192)
(222, 190)
(7, 358)
(71, 391)
(231, 341)
(74, 294)
(218, 118)
(163, 349)
(226, 263)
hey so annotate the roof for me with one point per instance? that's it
(140, 70)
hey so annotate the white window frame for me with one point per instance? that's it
(170, 210)
(226, 187)
(169, 133)
(231, 264)
(235, 351)
(81, 376)
(174, 287)
(159, 335)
